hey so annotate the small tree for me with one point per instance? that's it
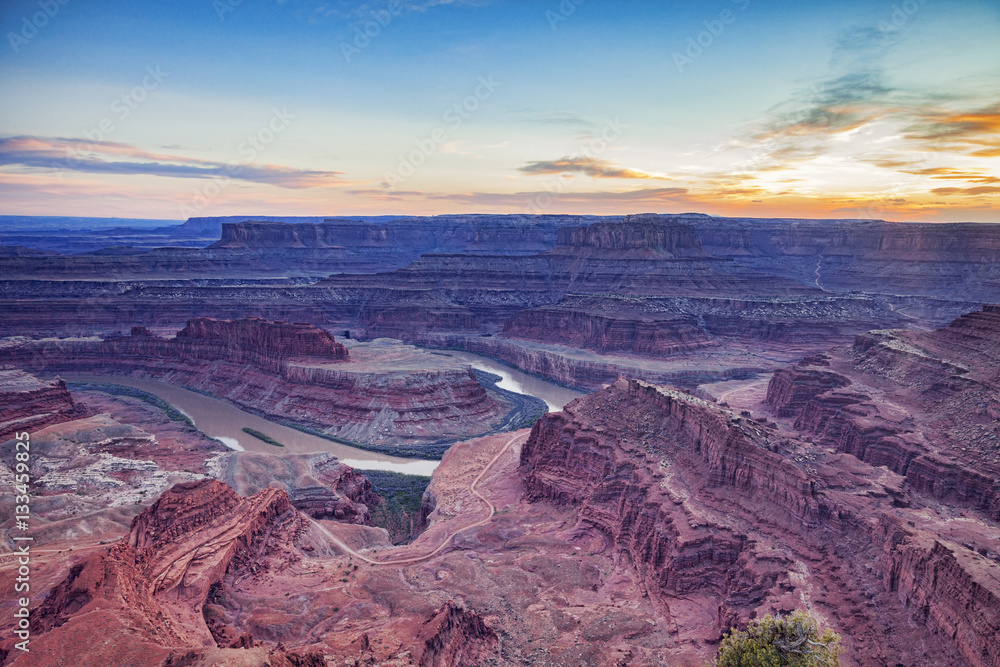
(789, 641)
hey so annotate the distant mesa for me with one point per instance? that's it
(273, 340)
(637, 235)
(253, 234)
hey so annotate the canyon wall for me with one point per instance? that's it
(154, 585)
(285, 371)
(736, 515)
(30, 404)
(636, 236)
(261, 342)
(601, 333)
(924, 404)
(957, 261)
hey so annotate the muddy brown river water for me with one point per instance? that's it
(224, 421)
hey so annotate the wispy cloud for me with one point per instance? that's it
(953, 174)
(376, 194)
(854, 93)
(588, 166)
(858, 115)
(316, 11)
(107, 157)
(515, 199)
(976, 191)
(974, 132)
(544, 117)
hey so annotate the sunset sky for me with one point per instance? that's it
(308, 107)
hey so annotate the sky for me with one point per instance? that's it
(852, 109)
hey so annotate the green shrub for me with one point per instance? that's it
(785, 641)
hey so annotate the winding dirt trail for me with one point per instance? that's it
(472, 487)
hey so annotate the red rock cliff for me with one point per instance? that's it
(158, 578)
(923, 404)
(29, 404)
(733, 514)
(263, 342)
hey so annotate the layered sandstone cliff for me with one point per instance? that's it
(957, 261)
(28, 404)
(636, 236)
(924, 404)
(642, 334)
(175, 551)
(153, 586)
(738, 517)
(261, 342)
(291, 371)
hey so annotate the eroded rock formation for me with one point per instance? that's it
(261, 342)
(923, 404)
(317, 484)
(732, 513)
(291, 371)
(28, 404)
(153, 585)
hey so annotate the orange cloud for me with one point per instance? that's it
(588, 166)
(974, 132)
(980, 190)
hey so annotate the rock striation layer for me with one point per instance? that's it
(289, 371)
(722, 512)
(153, 585)
(29, 404)
(957, 261)
(924, 404)
(636, 236)
(260, 342)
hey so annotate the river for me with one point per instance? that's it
(555, 397)
(222, 420)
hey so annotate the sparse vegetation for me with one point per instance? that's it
(261, 436)
(403, 495)
(123, 390)
(785, 641)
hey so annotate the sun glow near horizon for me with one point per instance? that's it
(763, 109)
